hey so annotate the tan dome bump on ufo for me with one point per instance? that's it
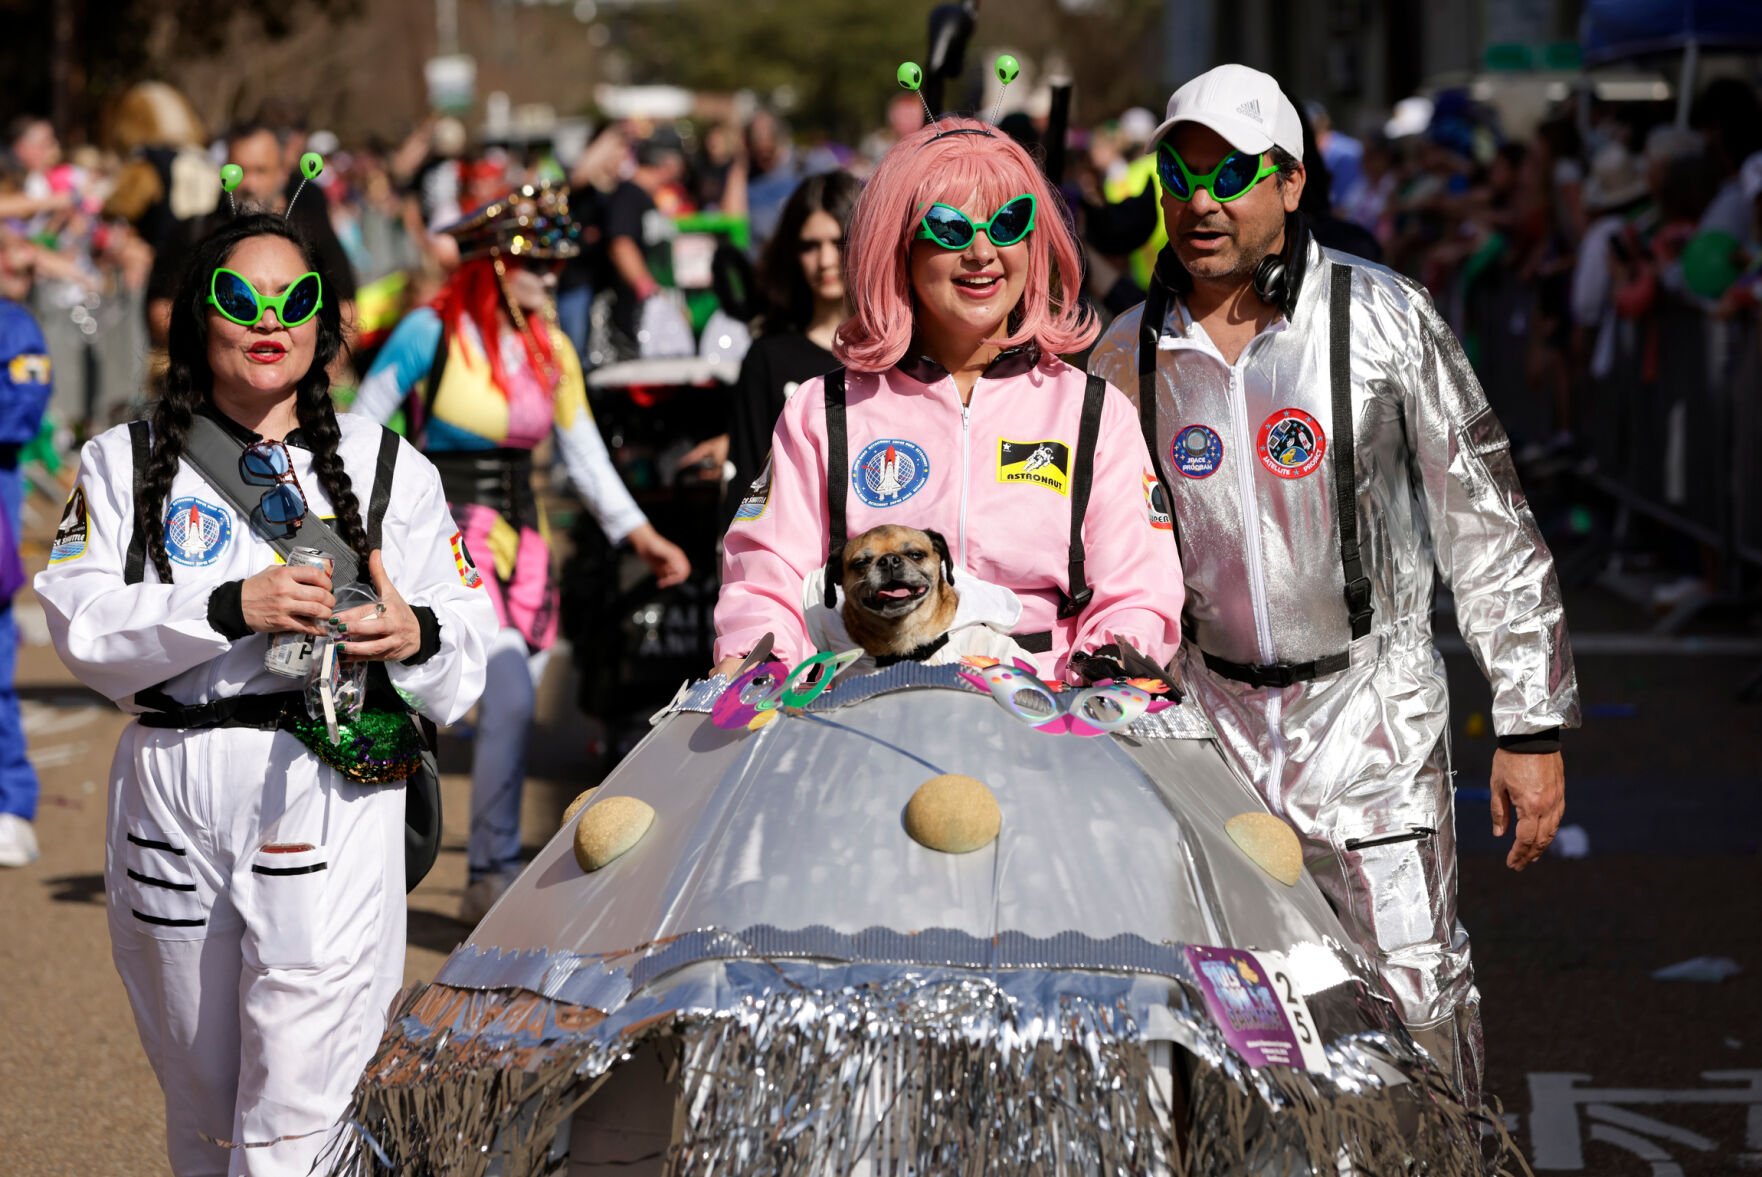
(1270, 843)
(954, 814)
(575, 806)
(609, 828)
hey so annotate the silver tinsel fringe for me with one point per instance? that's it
(921, 1074)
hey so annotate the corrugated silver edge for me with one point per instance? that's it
(1181, 722)
(592, 981)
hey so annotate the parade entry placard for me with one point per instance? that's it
(1254, 1001)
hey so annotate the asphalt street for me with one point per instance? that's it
(1600, 1067)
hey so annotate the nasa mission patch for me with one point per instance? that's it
(73, 531)
(758, 497)
(1042, 463)
(1197, 451)
(889, 471)
(1157, 503)
(1291, 443)
(462, 561)
(196, 531)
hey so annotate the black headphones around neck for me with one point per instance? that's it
(1271, 280)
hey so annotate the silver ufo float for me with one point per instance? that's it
(777, 979)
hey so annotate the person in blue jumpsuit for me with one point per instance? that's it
(24, 392)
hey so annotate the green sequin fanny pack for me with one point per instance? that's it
(381, 746)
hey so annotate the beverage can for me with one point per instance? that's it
(290, 654)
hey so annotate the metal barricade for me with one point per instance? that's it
(1745, 387)
(98, 345)
(1497, 312)
(1671, 435)
(1673, 432)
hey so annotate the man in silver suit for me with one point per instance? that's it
(1324, 446)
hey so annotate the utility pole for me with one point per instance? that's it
(1189, 31)
(446, 27)
(62, 71)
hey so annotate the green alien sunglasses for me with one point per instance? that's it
(952, 229)
(1233, 178)
(232, 294)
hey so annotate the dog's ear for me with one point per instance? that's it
(941, 546)
(834, 573)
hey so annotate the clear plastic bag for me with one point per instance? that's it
(336, 690)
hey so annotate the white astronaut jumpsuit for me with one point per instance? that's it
(256, 896)
(1355, 757)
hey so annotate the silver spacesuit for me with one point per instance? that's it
(1355, 756)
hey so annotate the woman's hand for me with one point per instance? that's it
(663, 557)
(384, 632)
(283, 599)
(704, 460)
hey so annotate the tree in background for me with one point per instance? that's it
(835, 58)
(355, 66)
(71, 58)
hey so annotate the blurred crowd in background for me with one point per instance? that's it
(1559, 249)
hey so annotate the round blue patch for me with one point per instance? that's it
(1197, 451)
(196, 531)
(888, 472)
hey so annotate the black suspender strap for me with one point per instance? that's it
(385, 464)
(214, 453)
(382, 486)
(837, 471)
(1156, 309)
(134, 568)
(1080, 594)
(1358, 606)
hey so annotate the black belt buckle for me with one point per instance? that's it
(1358, 599)
(1069, 607)
(1277, 675)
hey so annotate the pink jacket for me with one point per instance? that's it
(993, 477)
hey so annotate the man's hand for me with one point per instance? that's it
(283, 599)
(663, 557)
(728, 665)
(704, 460)
(385, 632)
(1535, 785)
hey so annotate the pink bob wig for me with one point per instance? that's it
(976, 173)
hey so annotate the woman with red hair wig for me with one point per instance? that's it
(953, 413)
(496, 378)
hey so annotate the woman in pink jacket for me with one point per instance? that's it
(953, 413)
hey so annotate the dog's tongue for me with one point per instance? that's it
(894, 594)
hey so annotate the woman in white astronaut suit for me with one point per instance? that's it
(255, 893)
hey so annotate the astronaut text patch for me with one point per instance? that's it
(1042, 463)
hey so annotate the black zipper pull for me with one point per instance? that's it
(1414, 834)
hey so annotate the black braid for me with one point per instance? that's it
(188, 383)
(171, 425)
(324, 435)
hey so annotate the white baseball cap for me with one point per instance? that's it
(1243, 105)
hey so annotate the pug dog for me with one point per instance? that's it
(899, 595)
